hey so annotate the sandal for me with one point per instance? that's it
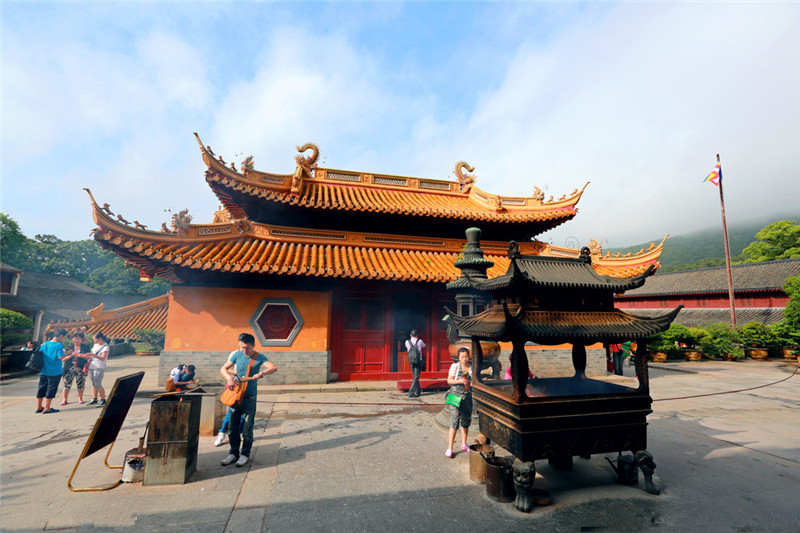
(448, 453)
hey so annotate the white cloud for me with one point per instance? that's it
(638, 102)
(72, 90)
(305, 87)
(635, 97)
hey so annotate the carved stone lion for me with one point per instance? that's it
(524, 476)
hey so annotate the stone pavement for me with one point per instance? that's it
(326, 461)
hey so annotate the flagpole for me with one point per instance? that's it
(727, 250)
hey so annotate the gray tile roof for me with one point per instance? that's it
(701, 317)
(8, 268)
(61, 297)
(770, 275)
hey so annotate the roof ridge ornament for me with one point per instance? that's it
(586, 255)
(180, 222)
(465, 180)
(305, 165)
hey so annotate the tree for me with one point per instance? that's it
(116, 278)
(791, 313)
(14, 246)
(83, 260)
(779, 240)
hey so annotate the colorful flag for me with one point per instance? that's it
(714, 176)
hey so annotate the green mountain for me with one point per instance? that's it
(706, 248)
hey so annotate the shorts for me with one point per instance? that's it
(48, 386)
(461, 415)
(77, 375)
(96, 374)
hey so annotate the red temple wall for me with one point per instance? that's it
(703, 301)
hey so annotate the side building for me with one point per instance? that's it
(331, 269)
(757, 289)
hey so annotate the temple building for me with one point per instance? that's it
(122, 323)
(330, 269)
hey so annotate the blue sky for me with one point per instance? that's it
(635, 97)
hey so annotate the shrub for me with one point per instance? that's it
(720, 339)
(786, 335)
(660, 342)
(756, 334)
(681, 335)
(12, 325)
(153, 337)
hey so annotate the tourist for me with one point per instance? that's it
(616, 354)
(226, 422)
(97, 368)
(627, 352)
(458, 378)
(253, 366)
(414, 344)
(74, 362)
(50, 375)
(225, 428)
(175, 373)
(186, 378)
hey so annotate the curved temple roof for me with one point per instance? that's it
(242, 246)
(330, 189)
(119, 323)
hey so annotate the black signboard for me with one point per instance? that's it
(107, 427)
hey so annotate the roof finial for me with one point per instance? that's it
(465, 180)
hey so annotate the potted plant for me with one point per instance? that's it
(659, 347)
(694, 341)
(151, 341)
(685, 339)
(721, 340)
(756, 338)
(787, 339)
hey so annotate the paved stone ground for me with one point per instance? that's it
(728, 463)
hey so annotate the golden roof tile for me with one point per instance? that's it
(119, 323)
(263, 248)
(332, 189)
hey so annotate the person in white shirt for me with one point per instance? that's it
(97, 368)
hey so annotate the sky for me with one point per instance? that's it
(636, 98)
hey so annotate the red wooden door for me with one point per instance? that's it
(362, 344)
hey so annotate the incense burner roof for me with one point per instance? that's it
(502, 322)
(550, 271)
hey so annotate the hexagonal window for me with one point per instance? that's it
(276, 322)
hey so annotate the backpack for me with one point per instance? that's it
(414, 357)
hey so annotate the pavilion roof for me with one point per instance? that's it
(242, 246)
(314, 187)
(554, 327)
(119, 323)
